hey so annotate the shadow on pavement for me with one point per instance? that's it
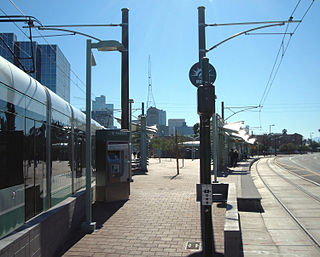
(101, 212)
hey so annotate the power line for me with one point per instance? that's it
(273, 74)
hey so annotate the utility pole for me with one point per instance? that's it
(206, 98)
(125, 70)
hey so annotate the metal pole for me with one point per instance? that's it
(206, 110)
(125, 71)
(131, 101)
(215, 147)
(143, 145)
(202, 32)
(88, 226)
(222, 111)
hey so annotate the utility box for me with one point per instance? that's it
(112, 165)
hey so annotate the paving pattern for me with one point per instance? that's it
(161, 216)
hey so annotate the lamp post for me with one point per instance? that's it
(311, 141)
(270, 128)
(270, 138)
(109, 45)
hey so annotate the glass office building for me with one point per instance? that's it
(49, 65)
(55, 70)
(29, 57)
(7, 40)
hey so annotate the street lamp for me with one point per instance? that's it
(109, 45)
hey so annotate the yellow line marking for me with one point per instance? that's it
(294, 167)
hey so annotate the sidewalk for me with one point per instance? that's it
(160, 218)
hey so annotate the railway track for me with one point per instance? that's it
(305, 191)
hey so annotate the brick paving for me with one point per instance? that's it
(159, 219)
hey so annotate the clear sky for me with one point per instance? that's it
(167, 30)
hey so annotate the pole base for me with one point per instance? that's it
(88, 227)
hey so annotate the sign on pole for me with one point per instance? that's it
(195, 74)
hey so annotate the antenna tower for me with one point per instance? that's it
(150, 100)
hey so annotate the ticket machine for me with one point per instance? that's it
(112, 163)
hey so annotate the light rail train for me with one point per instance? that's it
(42, 148)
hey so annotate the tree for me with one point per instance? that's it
(284, 132)
(196, 130)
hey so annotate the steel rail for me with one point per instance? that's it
(314, 240)
(297, 186)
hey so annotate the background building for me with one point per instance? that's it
(55, 70)
(30, 58)
(102, 112)
(47, 64)
(7, 41)
(156, 117)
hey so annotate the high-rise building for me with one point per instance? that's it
(55, 70)
(7, 41)
(180, 126)
(156, 117)
(29, 58)
(102, 112)
(175, 123)
(47, 63)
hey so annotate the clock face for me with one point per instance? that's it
(195, 74)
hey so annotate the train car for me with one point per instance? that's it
(42, 148)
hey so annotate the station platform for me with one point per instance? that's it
(162, 217)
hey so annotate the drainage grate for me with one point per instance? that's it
(193, 246)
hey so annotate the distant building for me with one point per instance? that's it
(55, 70)
(102, 112)
(156, 117)
(275, 140)
(7, 41)
(24, 52)
(49, 65)
(175, 123)
(181, 126)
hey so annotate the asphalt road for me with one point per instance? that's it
(305, 165)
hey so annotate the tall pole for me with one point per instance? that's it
(206, 110)
(222, 111)
(125, 70)
(131, 101)
(202, 32)
(88, 226)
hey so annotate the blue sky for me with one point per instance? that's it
(167, 31)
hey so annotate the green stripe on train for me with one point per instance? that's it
(11, 221)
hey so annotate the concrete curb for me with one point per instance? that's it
(232, 233)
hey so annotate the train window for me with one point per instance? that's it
(80, 160)
(11, 150)
(61, 164)
(35, 110)
(59, 119)
(12, 101)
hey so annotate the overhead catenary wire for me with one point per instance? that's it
(274, 71)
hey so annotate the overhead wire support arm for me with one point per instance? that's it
(249, 30)
(246, 109)
(250, 23)
(82, 25)
(65, 30)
